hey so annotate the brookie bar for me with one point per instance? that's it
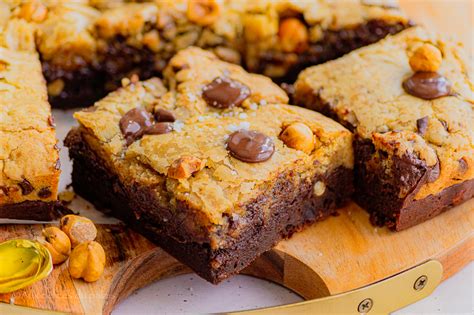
(212, 165)
(86, 47)
(29, 161)
(409, 101)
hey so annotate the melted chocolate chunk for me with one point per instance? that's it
(44, 192)
(422, 125)
(134, 123)
(427, 85)
(224, 92)
(433, 173)
(250, 146)
(159, 128)
(26, 187)
(163, 115)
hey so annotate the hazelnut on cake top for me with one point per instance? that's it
(92, 44)
(410, 97)
(215, 148)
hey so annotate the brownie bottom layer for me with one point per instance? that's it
(379, 193)
(92, 180)
(33, 210)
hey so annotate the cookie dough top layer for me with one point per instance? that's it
(28, 155)
(198, 143)
(364, 91)
(71, 33)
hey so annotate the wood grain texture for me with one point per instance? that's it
(339, 254)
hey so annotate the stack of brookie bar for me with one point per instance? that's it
(210, 161)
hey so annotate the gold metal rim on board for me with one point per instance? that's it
(382, 297)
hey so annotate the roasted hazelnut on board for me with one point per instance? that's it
(87, 261)
(298, 136)
(203, 12)
(57, 243)
(293, 35)
(184, 167)
(426, 58)
(78, 229)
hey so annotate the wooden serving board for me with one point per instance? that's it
(337, 255)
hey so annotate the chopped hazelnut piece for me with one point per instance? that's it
(152, 40)
(33, 11)
(427, 58)
(293, 35)
(184, 167)
(299, 137)
(203, 12)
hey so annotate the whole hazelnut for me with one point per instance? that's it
(426, 58)
(78, 229)
(203, 12)
(87, 261)
(293, 35)
(184, 167)
(298, 136)
(57, 243)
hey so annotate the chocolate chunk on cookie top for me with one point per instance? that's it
(427, 85)
(250, 146)
(134, 123)
(224, 92)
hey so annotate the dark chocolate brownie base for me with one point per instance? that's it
(377, 189)
(257, 234)
(33, 210)
(333, 45)
(90, 83)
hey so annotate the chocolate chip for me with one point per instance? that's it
(26, 187)
(134, 123)
(224, 92)
(463, 167)
(422, 125)
(163, 115)
(159, 128)
(250, 146)
(4, 190)
(427, 85)
(445, 124)
(433, 173)
(44, 192)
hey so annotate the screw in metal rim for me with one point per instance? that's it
(420, 283)
(365, 306)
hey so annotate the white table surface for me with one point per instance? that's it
(191, 294)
